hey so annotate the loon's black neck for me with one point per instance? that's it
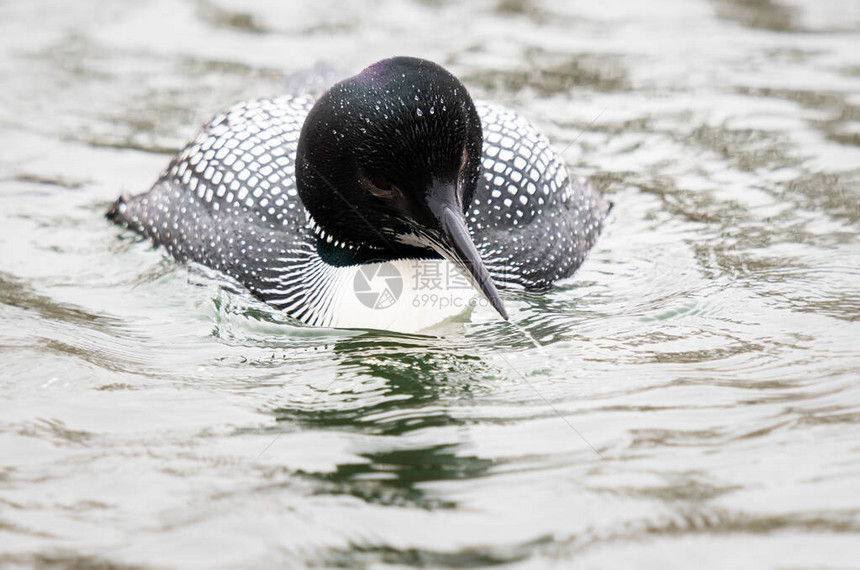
(341, 256)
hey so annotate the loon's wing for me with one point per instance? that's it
(531, 222)
(228, 200)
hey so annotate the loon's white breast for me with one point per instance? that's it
(405, 295)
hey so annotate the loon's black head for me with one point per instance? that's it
(389, 160)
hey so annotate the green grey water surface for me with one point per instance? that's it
(695, 400)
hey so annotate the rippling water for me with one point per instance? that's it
(694, 400)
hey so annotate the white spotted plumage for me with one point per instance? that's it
(531, 222)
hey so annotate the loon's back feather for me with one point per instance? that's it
(229, 200)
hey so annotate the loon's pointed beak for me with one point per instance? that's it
(455, 244)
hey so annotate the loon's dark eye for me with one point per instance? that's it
(379, 186)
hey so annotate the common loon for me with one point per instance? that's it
(291, 197)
